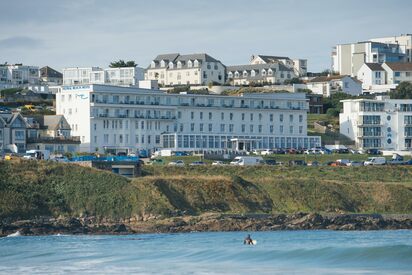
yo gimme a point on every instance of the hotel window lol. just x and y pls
(210, 127)
(271, 117)
(260, 117)
(281, 117)
(281, 129)
(243, 116)
(201, 115)
(231, 128)
(251, 128)
(179, 114)
(231, 116)
(181, 127)
(210, 115)
(106, 138)
(291, 118)
(300, 118)
(291, 129)
(222, 116)
(192, 115)
(260, 128)
(300, 129)
(222, 128)
(271, 128)
(192, 127)
(243, 128)
(251, 117)
(201, 127)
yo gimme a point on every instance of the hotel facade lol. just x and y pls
(378, 124)
(119, 119)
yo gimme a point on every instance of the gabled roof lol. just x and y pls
(327, 78)
(166, 57)
(197, 56)
(398, 66)
(374, 66)
(251, 67)
(52, 122)
(50, 72)
(175, 57)
(10, 118)
(272, 58)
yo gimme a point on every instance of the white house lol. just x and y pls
(122, 76)
(371, 74)
(398, 72)
(327, 85)
(380, 124)
(191, 69)
(272, 73)
(298, 66)
(18, 76)
(120, 119)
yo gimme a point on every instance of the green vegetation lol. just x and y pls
(121, 63)
(403, 91)
(30, 188)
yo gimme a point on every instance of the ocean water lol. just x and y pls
(280, 252)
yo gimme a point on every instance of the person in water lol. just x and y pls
(248, 240)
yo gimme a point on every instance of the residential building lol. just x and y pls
(315, 103)
(404, 41)
(12, 132)
(397, 72)
(120, 119)
(52, 133)
(299, 66)
(272, 73)
(50, 77)
(18, 76)
(328, 85)
(191, 69)
(380, 123)
(347, 59)
(122, 76)
(371, 74)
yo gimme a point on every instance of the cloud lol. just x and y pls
(22, 42)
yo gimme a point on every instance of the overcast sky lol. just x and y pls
(94, 32)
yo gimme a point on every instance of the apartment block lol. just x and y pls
(18, 76)
(381, 123)
(191, 69)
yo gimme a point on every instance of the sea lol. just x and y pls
(276, 252)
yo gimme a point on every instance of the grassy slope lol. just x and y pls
(29, 188)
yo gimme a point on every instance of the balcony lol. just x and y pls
(59, 139)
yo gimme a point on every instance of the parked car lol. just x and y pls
(181, 154)
(177, 163)
(196, 163)
(355, 163)
(218, 163)
(313, 163)
(270, 162)
(266, 152)
(279, 151)
(375, 161)
(373, 152)
(297, 163)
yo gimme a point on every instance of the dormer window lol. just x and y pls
(236, 74)
(230, 75)
(153, 64)
(171, 65)
(263, 72)
(189, 64)
(162, 63)
(196, 63)
(270, 72)
(179, 64)
(253, 73)
(244, 73)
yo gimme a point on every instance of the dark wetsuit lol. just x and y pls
(248, 240)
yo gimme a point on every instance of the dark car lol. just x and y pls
(270, 162)
(297, 163)
(181, 154)
(373, 152)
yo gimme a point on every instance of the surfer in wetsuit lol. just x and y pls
(248, 240)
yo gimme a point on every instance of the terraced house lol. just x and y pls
(191, 69)
(120, 119)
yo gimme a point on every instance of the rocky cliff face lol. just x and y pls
(207, 222)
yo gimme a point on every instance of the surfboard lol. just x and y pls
(254, 242)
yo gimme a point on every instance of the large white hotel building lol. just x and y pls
(379, 124)
(125, 119)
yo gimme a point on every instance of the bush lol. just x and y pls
(332, 112)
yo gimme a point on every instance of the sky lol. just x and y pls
(95, 32)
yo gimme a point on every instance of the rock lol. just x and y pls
(121, 228)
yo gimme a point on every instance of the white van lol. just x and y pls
(246, 161)
(37, 154)
(375, 161)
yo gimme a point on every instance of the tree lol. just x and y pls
(403, 91)
(332, 112)
(121, 63)
(307, 91)
(294, 80)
